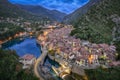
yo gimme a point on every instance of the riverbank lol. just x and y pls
(20, 35)
(78, 54)
(39, 62)
(40, 70)
(75, 69)
(30, 46)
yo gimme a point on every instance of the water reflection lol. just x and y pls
(24, 46)
(30, 46)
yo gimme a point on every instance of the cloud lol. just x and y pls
(66, 6)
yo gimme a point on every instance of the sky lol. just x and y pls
(66, 6)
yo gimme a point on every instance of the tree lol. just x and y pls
(11, 69)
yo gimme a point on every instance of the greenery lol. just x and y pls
(9, 30)
(86, 33)
(96, 25)
(8, 10)
(117, 43)
(77, 77)
(13, 11)
(11, 69)
(104, 74)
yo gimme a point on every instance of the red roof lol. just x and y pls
(103, 45)
(28, 57)
(115, 63)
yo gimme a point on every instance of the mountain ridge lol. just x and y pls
(9, 10)
(28, 11)
(101, 19)
(41, 11)
(101, 24)
(80, 11)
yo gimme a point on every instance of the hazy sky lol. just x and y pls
(66, 6)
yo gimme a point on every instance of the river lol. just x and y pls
(23, 46)
(28, 45)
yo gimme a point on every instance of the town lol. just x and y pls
(69, 50)
(59, 40)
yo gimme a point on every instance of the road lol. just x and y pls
(40, 61)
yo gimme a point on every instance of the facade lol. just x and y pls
(0, 46)
(72, 49)
(27, 60)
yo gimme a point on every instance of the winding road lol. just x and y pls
(40, 62)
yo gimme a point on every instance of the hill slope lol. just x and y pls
(79, 12)
(13, 20)
(41, 11)
(14, 70)
(100, 23)
(9, 10)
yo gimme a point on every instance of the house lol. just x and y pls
(0, 46)
(27, 60)
(115, 63)
(1, 42)
(72, 56)
(85, 43)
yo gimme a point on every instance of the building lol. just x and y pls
(0, 46)
(63, 70)
(27, 60)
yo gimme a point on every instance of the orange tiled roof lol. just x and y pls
(28, 57)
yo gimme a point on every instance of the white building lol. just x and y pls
(27, 60)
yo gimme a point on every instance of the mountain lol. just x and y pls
(14, 20)
(41, 11)
(99, 23)
(79, 12)
(12, 11)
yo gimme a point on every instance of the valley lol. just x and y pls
(37, 43)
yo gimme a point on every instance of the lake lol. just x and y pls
(29, 46)
(24, 46)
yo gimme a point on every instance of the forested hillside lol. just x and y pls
(9, 10)
(11, 69)
(101, 24)
(13, 20)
